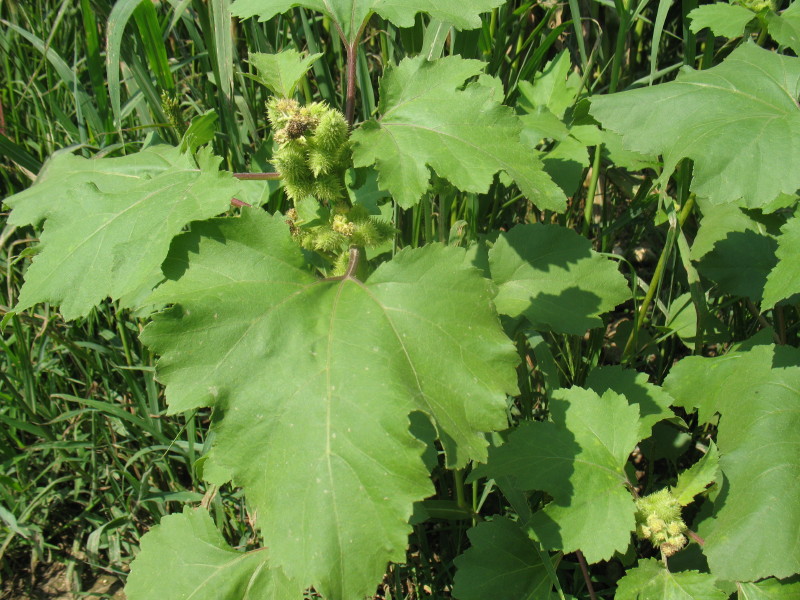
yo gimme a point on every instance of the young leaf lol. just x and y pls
(185, 556)
(350, 15)
(281, 72)
(757, 528)
(200, 132)
(314, 380)
(695, 479)
(503, 563)
(723, 19)
(784, 280)
(650, 579)
(579, 459)
(652, 400)
(739, 122)
(463, 135)
(109, 222)
(554, 89)
(551, 275)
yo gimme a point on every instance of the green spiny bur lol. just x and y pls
(312, 153)
(658, 519)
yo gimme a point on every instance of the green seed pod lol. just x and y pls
(331, 132)
(312, 148)
(291, 163)
(328, 188)
(298, 190)
(320, 162)
(328, 240)
(280, 110)
(341, 263)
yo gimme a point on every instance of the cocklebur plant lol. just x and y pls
(319, 381)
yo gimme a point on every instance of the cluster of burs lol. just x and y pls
(658, 519)
(312, 156)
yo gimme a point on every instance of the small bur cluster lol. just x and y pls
(312, 157)
(347, 227)
(312, 152)
(658, 519)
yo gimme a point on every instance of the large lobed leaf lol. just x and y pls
(313, 382)
(724, 20)
(579, 459)
(465, 135)
(350, 15)
(756, 532)
(108, 222)
(739, 122)
(552, 276)
(184, 556)
(653, 402)
(650, 579)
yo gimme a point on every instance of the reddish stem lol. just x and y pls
(586, 577)
(257, 176)
(350, 104)
(696, 537)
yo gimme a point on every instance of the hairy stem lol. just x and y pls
(350, 105)
(586, 577)
(257, 176)
(352, 265)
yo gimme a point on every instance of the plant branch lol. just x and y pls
(350, 102)
(352, 54)
(695, 537)
(586, 577)
(352, 265)
(257, 176)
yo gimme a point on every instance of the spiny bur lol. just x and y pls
(312, 153)
(658, 519)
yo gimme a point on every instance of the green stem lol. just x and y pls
(590, 192)
(619, 50)
(458, 483)
(657, 275)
